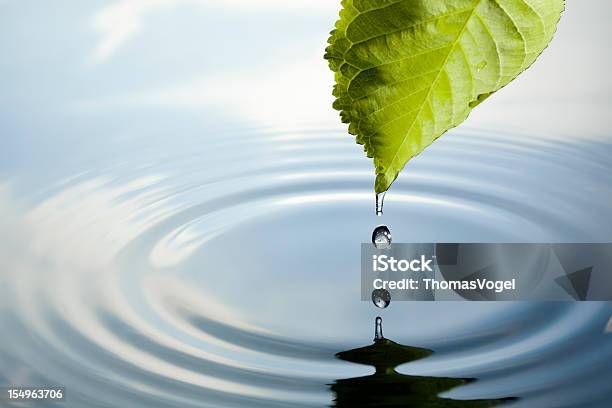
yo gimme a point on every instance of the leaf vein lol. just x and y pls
(392, 162)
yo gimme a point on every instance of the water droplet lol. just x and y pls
(378, 334)
(381, 237)
(381, 298)
(380, 201)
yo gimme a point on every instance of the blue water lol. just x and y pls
(225, 273)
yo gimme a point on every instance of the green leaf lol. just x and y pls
(408, 70)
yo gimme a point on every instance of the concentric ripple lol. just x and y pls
(226, 274)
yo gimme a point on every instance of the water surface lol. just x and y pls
(225, 273)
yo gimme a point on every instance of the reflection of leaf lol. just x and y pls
(409, 70)
(388, 388)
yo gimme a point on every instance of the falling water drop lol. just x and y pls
(381, 237)
(381, 298)
(380, 201)
(378, 334)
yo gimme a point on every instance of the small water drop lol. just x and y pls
(481, 65)
(381, 298)
(378, 334)
(380, 201)
(381, 237)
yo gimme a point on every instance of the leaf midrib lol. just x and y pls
(408, 27)
(442, 68)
